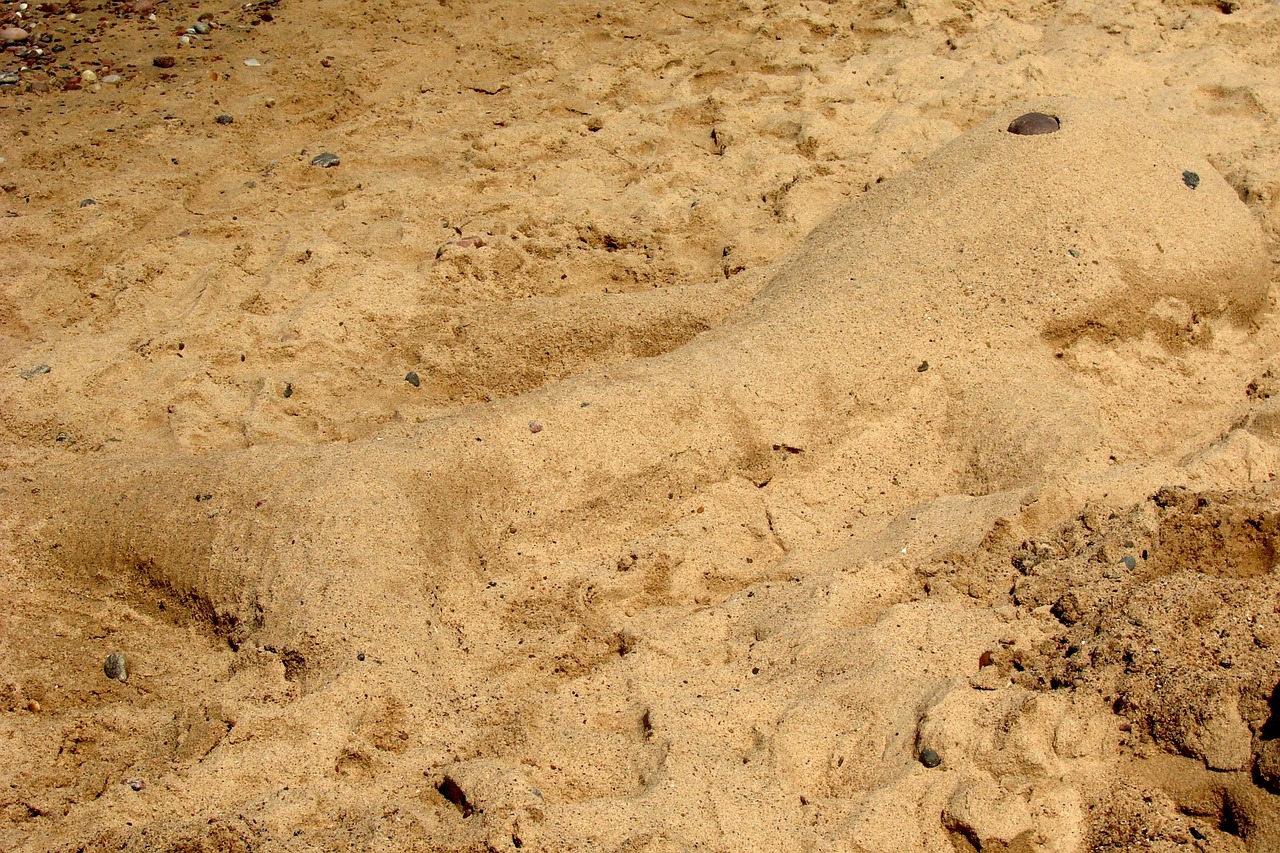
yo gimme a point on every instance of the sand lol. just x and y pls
(795, 458)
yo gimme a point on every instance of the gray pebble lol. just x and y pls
(929, 757)
(1191, 179)
(326, 160)
(38, 370)
(412, 379)
(202, 27)
(88, 202)
(116, 667)
(1034, 124)
(1129, 562)
(224, 119)
(8, 78)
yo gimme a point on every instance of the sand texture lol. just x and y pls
(670, 426)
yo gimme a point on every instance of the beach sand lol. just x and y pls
(668, 427)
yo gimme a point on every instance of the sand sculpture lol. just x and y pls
(942, 309)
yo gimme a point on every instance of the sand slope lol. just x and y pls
(696, 531)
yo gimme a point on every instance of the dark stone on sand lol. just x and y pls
(412, 379)
(202, 27)
(288, 390)
(923, 366)
(1031, 124)
(88, 202)
(929, 757)
(163, 62)
(224, 119)
(116, 667)
(38, 370)
(1129, 562)
(1191, 179)
(326, 160)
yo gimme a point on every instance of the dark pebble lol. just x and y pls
(326, 160)
(1031, 124)
(88, 202)
(1196, 834)
(116, 667)
(930, 758)
(202, 27)
(288, 390)
(224, 119)
(360, 656)
(412, 379)
(1191, 179)
(1075, 253)
(163, 62)
(38, 370)
(1129, 562)
(924, 365)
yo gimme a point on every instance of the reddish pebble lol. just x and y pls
(8, 35)
(984, 660)
(534, 426)
(163, 61)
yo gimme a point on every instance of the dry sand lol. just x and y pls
(797, 459)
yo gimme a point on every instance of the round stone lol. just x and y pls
(929, 757)
(327, 160)
(1031, 124)
(116, 667)
(1191, 179)
(412, 379)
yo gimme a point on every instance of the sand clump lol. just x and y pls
(900, 482)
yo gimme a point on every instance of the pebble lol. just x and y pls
(202, 27)
(412, 379)
(9, 35)
(112, 78)
(325, 160)
(33, 706)
(923, 366)
(137, 783)
(88, 76)
(224, 119)
(1191, 179)
(38, 370)
(535, 427)
(88, 202)
(1129, 562)
(163, 62)
(252, 63)
(116, 667)
(929, 757)
(1032, 124)
(8, 78)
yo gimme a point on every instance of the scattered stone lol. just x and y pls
(33, 706)
(116, 667)
(8, 78)
(360, 656)
(930, 758)
(203, 27)
(224, 119)
(252, 63)
(1075, 253)
(288, 390)
(88, 202)
(38, 370)
(412, 379)
(326, 160)
(1033, 124)
(88, 76)
(1191, 179)
(535, 427)
(112, 78)
(10, 35)
(137, 783)
(924, 365)
(1129, 562)
(163, 61)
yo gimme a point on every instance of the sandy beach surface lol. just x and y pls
(639, 427)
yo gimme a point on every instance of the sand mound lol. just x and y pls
(952, 529)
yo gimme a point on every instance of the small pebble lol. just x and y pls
(1191, 179)
(8, 78)
(112, 78)
(33, 706)
(89, 76)
(88, 202)
(202, 27)
(1129, 562)
(9, 35)
(38, 370)
(184, 40)
(930, 758)
(252, 63)
(163, 62)
(534, 426)
(288, 390)
(360, 657)
(326, 160)
(224, 119)
(412, 379)
(137, 783)
(1032, 124)
(116, 667)
(924, 365)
